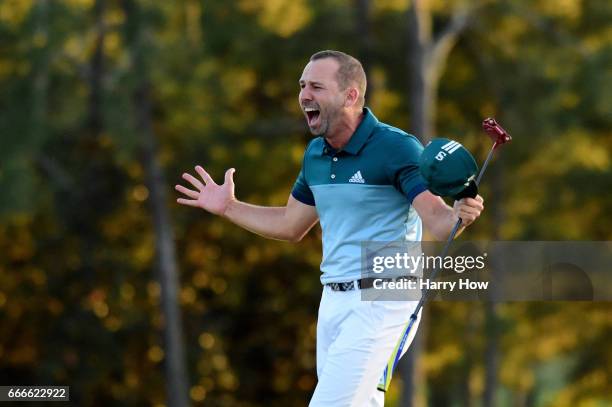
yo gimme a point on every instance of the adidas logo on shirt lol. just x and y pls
(357, 178)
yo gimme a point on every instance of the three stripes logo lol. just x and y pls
(448, 148)
(357, 178)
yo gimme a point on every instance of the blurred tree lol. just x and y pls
(167, 268)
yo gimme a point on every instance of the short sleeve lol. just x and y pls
(301, 191)
(402, 166)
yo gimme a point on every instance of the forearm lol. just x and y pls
(269, 222)
(445, 222)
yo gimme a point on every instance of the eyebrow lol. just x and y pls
(301, 81)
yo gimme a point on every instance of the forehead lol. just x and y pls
(321, 70)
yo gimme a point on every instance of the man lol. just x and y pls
(360, 179)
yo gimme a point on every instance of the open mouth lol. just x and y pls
(312, 115)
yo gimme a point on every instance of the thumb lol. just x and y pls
(229, 176)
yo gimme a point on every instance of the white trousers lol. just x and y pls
(355, 340)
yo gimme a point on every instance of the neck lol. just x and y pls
(344, 129)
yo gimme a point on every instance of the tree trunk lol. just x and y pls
(167, 270)
(40, 82)
(363, 32)
(409, 368)
(427, 58)
(176, 374)
(420, 91)
(492, 319)
(96, 71)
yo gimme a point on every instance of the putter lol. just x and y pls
(499, 137)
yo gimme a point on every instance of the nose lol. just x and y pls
(305, 95)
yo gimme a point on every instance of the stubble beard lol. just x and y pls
(325, 121)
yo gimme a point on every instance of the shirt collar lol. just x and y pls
(359, 137)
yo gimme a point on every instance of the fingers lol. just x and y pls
(477, 203)
(190, 193)
(207, 179)
(469, 209)
(229, 176)
(188, 202)
(468, 216)
(193, 181)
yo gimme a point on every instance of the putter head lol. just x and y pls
(495, 131)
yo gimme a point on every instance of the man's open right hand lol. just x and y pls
(208, 195)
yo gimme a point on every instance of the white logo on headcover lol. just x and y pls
(357, 178)
(449, 147)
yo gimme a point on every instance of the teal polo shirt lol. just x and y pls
(362, 192)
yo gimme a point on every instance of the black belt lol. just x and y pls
(365, 283)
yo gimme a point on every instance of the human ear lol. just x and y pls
(352, 95)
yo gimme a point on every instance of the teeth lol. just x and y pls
(310, 109)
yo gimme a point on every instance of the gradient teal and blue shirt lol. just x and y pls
(362, 192)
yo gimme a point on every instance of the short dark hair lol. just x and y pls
(350, 71)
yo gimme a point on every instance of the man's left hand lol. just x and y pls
(468, 209)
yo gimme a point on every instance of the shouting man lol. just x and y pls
(360, 179)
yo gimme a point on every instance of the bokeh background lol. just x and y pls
(108, 286)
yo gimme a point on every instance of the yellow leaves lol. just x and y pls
(252, 148)
(39, 40)
(569, 100)
(143, 254)
(218, 285)
(227, 380)
(112, 44)
(206, 340)
(140, 193)
(112, 323)
(575, 149)
(219, 362)
(397, 6)
(383, 100)
(200, 279)
(82, 4)
(155, 354)
(24, 354)
(21, 246)
(218, 153)
(74, 50)
(282, 17)
(435, 362)
(549, 346)
(188, 295)
(569, 9)
(595, 42)
(97, 303)
(197, 393)
(193, 16)
(508, 31)
(236, 82)
(126, 291)
(153, 289)
(252, 255)
(306, 382)
(131, 379)
(568, 396)
(14, 12)
(297, 153)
